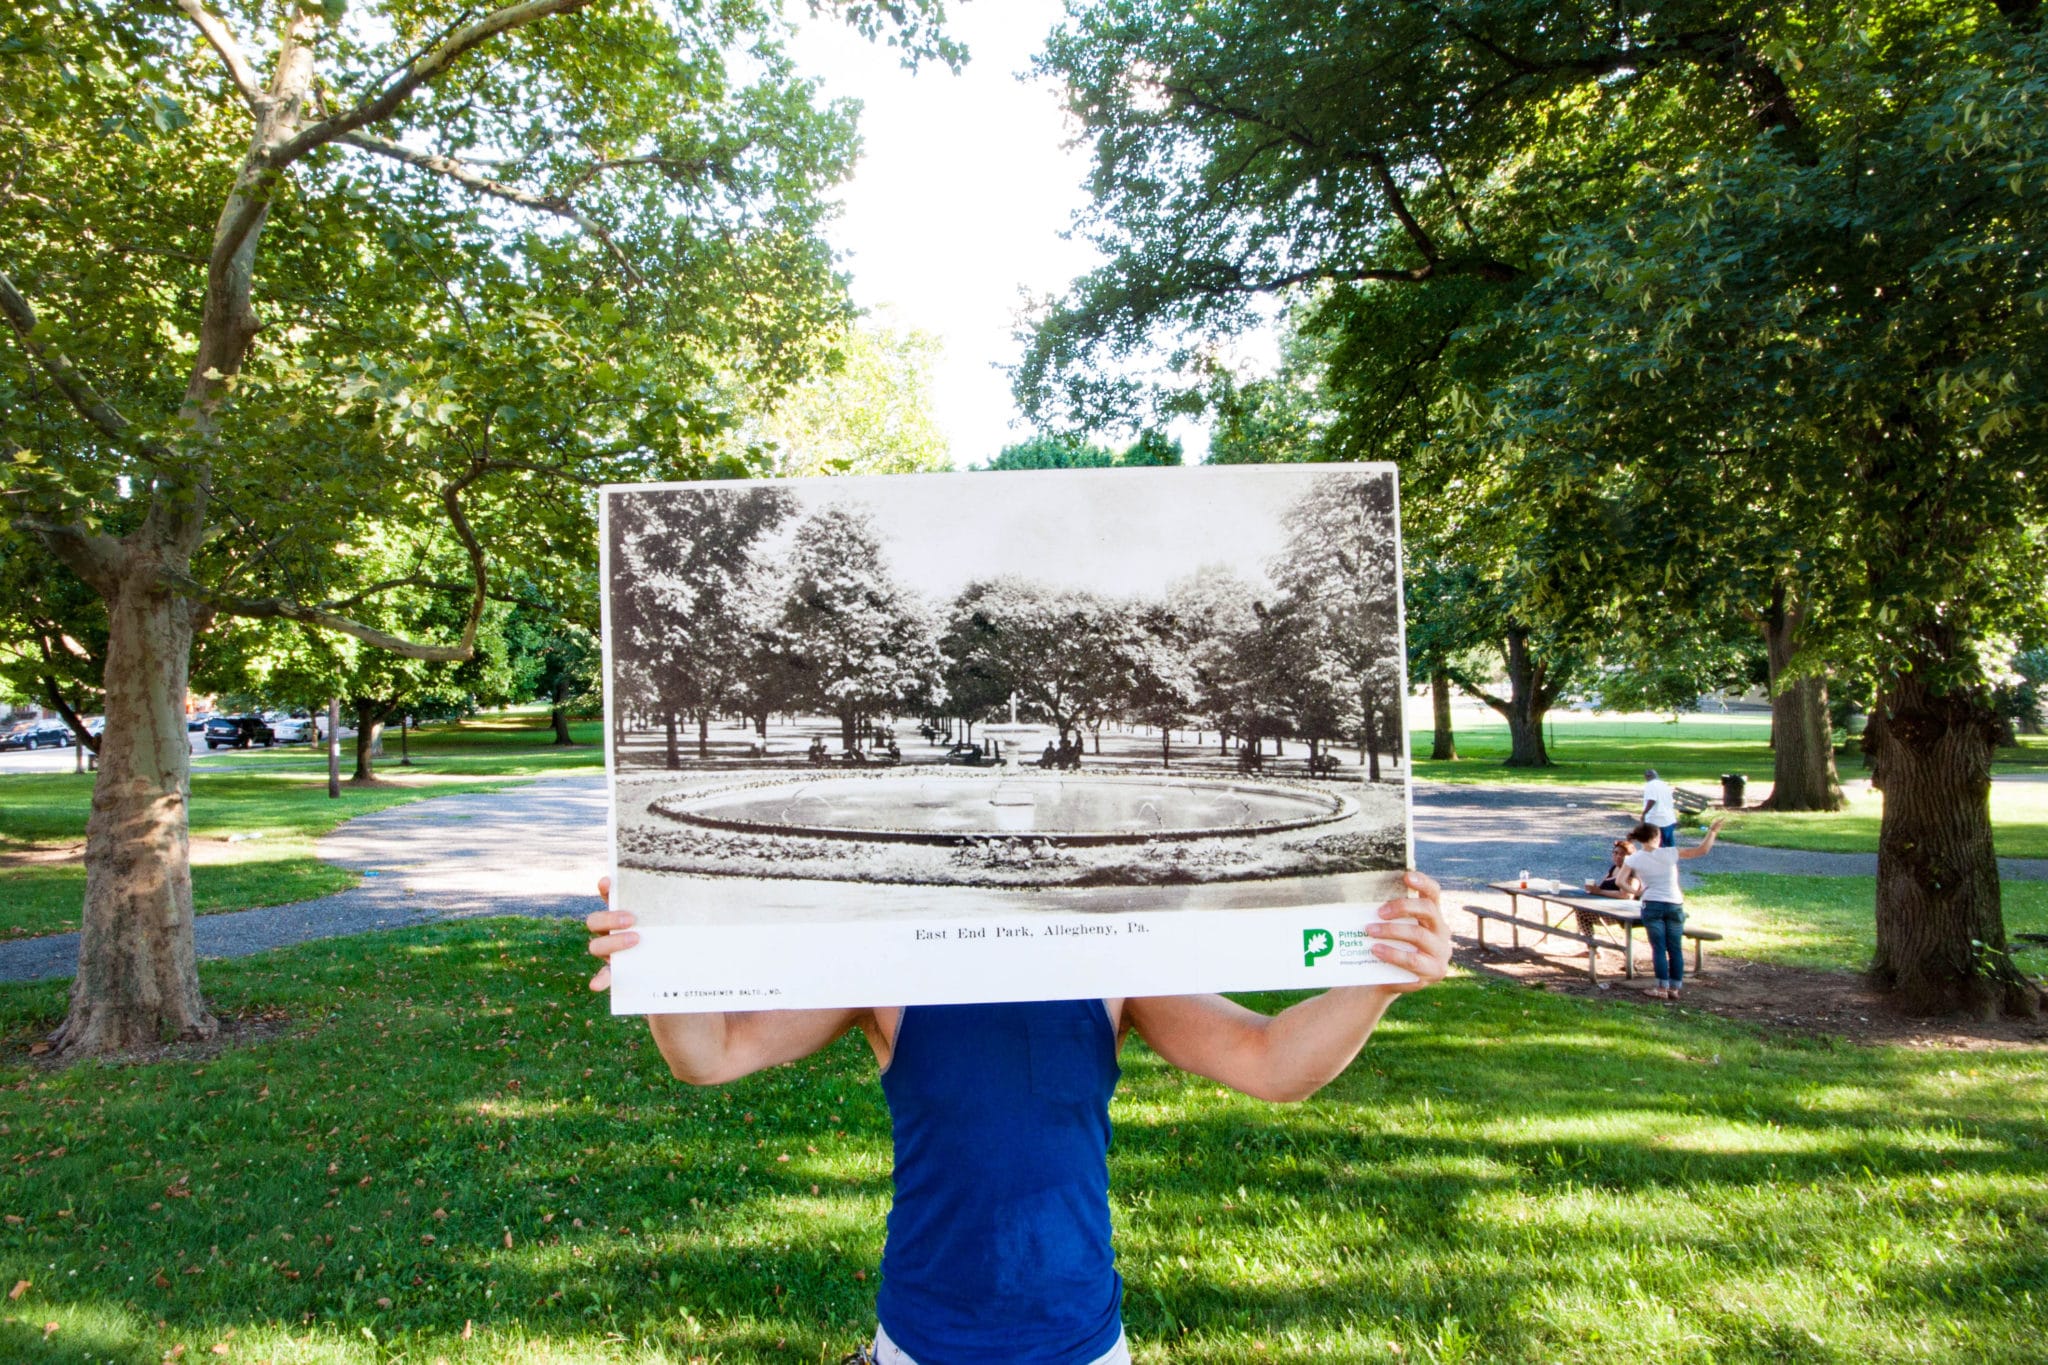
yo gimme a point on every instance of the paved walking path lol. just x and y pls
(537, 849)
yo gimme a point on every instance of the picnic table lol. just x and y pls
(1576, 915)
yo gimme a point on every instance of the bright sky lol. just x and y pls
(1124, 532)
(957, 207)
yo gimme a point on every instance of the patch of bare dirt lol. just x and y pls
(41, 855)
(1793, 1000)
(236, 1031)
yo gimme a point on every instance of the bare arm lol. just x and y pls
(711, 1049)
(1293, 1054)
(1704, 846)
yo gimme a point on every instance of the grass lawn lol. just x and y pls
(1827, 922)
(451, 1153)
(2019, 824)
(514, 743)
(1603, 749)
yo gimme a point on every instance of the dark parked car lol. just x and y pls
(238, 732)
(39, 737)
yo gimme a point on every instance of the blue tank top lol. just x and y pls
(998, 1243)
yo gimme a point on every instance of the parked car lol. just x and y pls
(198, 722)
(289, 729)
(39, 735)
(238, 732)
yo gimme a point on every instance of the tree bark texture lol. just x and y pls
(1803, 774)
(559, 717)
(1443, 744)
(138, 981)
(1941, 946)
(1530, 694)
(1372, 737)
(370, 717)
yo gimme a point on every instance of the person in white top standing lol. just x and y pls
(1663, 901)
(1660, 806)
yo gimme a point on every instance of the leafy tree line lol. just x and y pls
(1681, 319)
(726, 603)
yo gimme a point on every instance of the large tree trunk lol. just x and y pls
(1371, 744)
(1803, 775)
(675, 756)
(559, 716)
(1527, 702)
(703, 734)
(370, 718)
(138, 982)
(1443, 745)
(1941, 946)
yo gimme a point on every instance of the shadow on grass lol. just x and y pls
(1500, 1176)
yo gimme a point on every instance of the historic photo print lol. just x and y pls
(1003, 736)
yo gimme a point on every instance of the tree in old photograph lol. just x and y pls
(858, 644)
(680, 607)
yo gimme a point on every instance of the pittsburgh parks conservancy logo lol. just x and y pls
(1351, 947)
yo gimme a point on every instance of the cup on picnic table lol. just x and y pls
(1524, 874)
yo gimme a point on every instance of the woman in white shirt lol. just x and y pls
(1664, 902)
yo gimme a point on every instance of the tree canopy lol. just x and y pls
(1689, 313)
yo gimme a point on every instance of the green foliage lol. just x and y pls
(869, 412)
(1068, 451)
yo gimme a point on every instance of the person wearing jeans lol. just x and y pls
(1664, 901)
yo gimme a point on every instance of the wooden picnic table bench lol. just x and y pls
(1690, 802)
(1587, 912)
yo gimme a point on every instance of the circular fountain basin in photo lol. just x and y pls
(946, 808)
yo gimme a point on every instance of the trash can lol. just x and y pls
(1731, 789)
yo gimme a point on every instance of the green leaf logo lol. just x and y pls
(1315, 943)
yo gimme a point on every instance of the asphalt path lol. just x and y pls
(538, 848)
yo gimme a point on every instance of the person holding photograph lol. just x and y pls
(998, 1245)
(1664, 902)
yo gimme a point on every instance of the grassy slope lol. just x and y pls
(1827, 922)
(453, 1133)
(279, 795)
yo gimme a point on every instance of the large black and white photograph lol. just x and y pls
(944, 722)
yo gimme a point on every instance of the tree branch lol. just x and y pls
(279, 609)
(283, 609)
(223, 41)
(73, 385)
(64, 709)
(416, 73)
(90, 555)
(469, 177)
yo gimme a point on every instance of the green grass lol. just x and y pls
(285, 811)
(450, 1132)
(2019, 824)
(1827, 922)
(1588, 750)
(514, 743)
(1599, 749)
(46, 900)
